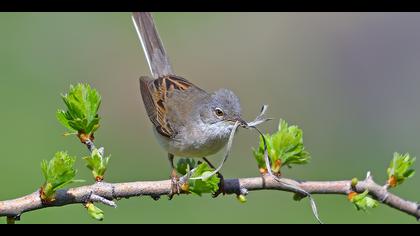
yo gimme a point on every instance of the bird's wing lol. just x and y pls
(155, 93)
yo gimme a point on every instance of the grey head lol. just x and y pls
(221, 107)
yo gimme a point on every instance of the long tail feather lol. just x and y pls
(154, 51)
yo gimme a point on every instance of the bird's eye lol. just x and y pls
(218, 112)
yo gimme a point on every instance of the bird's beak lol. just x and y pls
(242, 123)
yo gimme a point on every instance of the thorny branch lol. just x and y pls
(106, 192)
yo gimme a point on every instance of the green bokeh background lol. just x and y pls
(349, 80)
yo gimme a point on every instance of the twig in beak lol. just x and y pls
(259, 120)
(239, 122)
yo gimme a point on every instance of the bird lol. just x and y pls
(187, 120)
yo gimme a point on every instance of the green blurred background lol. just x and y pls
(349, 80)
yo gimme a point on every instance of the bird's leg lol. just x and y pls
(174, 177)
(221, 183)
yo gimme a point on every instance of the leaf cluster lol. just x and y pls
(400, 169)
(97, 164)
(362, 201)
(82, 104)
(198, 186)
(285, 148)
(57, 172)
(95, 212)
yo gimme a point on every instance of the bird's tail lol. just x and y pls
(157, 59)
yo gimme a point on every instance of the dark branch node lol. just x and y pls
(155, 197)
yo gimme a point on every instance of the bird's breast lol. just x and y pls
(197, 140)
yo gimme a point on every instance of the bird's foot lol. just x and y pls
(175, 189)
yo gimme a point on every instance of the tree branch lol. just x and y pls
(106, 192)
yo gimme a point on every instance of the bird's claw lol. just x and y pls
(175, 189)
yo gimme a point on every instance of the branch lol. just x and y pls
(106, 192)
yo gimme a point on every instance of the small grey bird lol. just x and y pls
(188, 121)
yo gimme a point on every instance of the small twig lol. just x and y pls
(97, 198)
(90, 145)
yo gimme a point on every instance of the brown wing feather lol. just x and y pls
(155, 93)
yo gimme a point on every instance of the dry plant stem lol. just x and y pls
(293, 187)
(110, 191)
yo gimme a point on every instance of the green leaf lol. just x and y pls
(285, 148)
(363, 202)
(210, 185)
(82, 104)
(97, 164)
(57, 172)
(184, 165)
(259, 153)
(198, 186)
(62, 118)
(400, 169)
(94, 211)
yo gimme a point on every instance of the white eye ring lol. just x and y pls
(219, 112)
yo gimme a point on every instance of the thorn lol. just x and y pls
(368, 176)
(385, 197)
(68, 134)
(97, 198)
